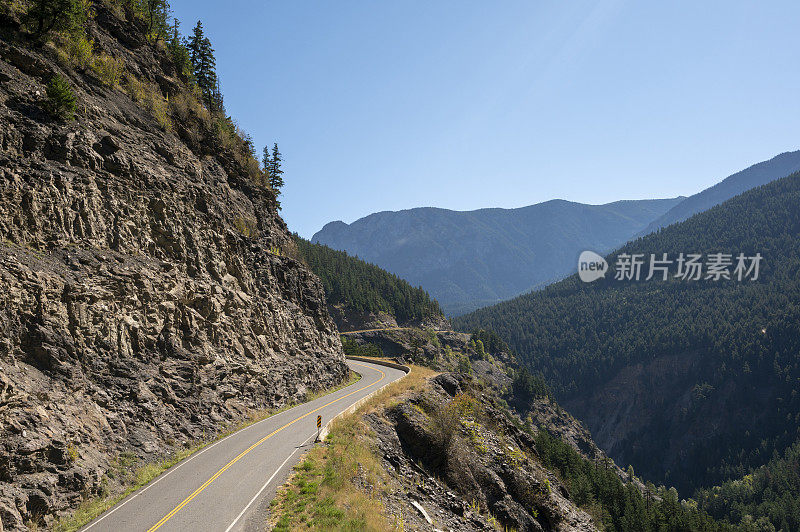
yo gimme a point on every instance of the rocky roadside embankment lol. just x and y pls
(463, 465)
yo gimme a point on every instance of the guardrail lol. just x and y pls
(380, 362)
(352, 408)
(378, 330)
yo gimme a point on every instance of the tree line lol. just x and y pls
(364, 287)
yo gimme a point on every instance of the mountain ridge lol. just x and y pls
(761, 173)
(466, 258)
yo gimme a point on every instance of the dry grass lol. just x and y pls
(338, 486)
(186, 105)
(135, 89)
(323, 496)
(132, 477)
(150, 95)
(232, 139)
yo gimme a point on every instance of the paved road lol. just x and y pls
(374, 330)
(227, 486)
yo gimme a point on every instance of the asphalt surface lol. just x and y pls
(228, 485)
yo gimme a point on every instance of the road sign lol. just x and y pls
(319, 422)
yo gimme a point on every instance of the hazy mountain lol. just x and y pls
(759, 174)
(468, 259)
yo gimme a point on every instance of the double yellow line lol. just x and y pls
(227, 466)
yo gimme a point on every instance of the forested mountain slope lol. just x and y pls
(759, 174)
(769, 495)
(467, 259)
(692, 382)
(143, 305)
(536, 432)
(354, 288)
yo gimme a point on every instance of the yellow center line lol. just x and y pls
(199, 490)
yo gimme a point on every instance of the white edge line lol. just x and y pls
(181, 464)
(151, 484)
(347, 410)
(257, 495)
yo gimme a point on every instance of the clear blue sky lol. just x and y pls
(468, 104)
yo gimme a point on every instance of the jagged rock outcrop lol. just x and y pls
(461, 460)
(142, 305)
(446, 350)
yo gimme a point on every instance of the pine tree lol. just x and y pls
(194, 44)
(45, 16)
(275, 172)
(204, 64)
(157, 12)
(206, 74)
(216, 102)
(202, 69)
(179, 52)
(60, 98)
(266, 161)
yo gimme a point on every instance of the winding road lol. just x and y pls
(228, 485)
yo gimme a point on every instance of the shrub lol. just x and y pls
(246, 226)
(150, 95)
(13, 8)
(446, 420)
(353, 348)
(444, 427)
(72, 453)
(60, 98)
(464, 365)
(108, 69)
(158, 107)
(77, 52)
(135, 89)
(527, 386)
(237, 142)
(184, 105)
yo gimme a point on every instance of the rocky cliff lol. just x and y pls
(462, 460)
(147, 299)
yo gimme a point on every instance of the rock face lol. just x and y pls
(459, 471)
(143, 306)
(444, 349)
(351, 320)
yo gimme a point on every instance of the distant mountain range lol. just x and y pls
(469, 259)
(759, 174)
